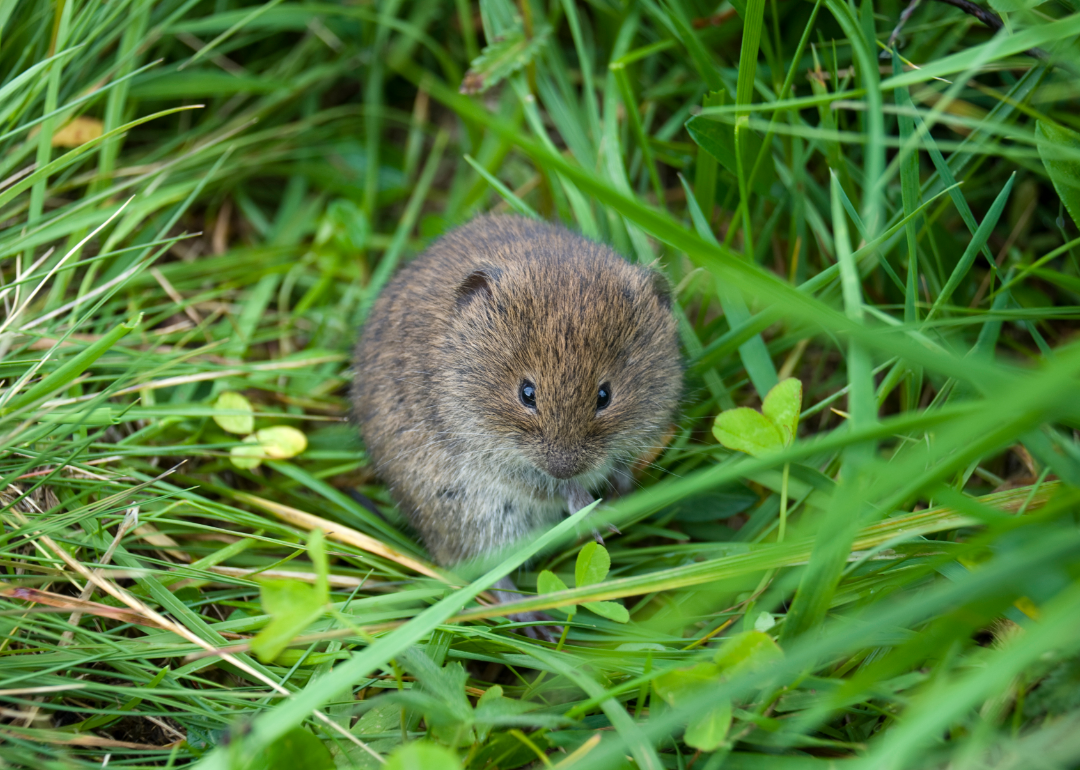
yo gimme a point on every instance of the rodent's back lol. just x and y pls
(492, 308)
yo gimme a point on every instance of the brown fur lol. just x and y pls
(446, 348)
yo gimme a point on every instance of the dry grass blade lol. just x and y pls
(341, 533)
(66, 739)
(80, 606)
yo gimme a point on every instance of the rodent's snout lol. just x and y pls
(565, 463)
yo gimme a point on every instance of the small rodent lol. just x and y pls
(506, 371)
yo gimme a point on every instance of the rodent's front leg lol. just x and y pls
(509, 594)
(577, 497)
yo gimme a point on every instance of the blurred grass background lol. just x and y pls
(202, 198)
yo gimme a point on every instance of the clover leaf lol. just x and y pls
(759, 433)
(593, 565)
(240, 417)
(293, 605)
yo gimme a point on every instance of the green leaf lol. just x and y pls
(491, 694)
(503, 58)
(505, 749)
(422, 755)
(343, 227)
(248, 455)
(592, 565)
(441, 695)
(292, 607)
(317, 554)
(747, 430)
(764, 622)
(682, 684)
(718, 139)
(241, 424)
(715, 504)
(753, 351)
(748, 650)
(673, 16)
(65, 160)
(384, 718)
(493, 709)
(610, 610)
(281, 442)
(709, 731)
(1059, 148)
(748, 55)
(782, 405)
(548, 582)
(297, 749)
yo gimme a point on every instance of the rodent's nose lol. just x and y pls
(565, 464)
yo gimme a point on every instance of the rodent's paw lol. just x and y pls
(612, 530)
(577, 497)
(504, 593)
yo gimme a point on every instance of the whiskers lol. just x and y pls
(440, 439)
(475, 475)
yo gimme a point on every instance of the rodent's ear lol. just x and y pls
(477, 285)
(661, 287)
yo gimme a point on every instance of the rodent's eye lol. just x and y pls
(603, 396)
(527, 394)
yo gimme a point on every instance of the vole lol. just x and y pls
(507, 371)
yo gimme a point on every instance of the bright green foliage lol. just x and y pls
(592, 566)
(759, 433)
(782, 405)
(748, 430)
(746, 651)
(718, 139)
(281, 442)
(1059, 148)
(1008, 6)
(277, 443)
(894, 237)
(242, 423)
(63, 375)
(292, 605)
(452, 720)
(248, 455)
(298, 749)
(421, 755)
(502, 59)
(687, 687)
(343, 231)
(548, 582)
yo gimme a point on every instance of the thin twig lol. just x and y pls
(987, 18)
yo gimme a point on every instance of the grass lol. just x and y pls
(896, 588)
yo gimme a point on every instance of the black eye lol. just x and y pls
(528, 394)
(603, 396)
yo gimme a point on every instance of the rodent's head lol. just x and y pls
(562, 363)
